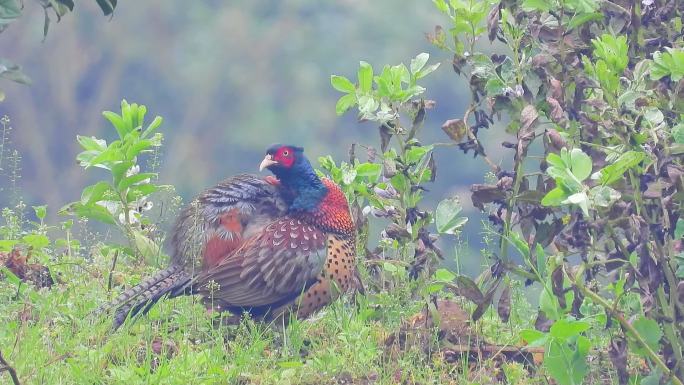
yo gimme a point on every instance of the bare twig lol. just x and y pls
(111, 271)
(472, 137)
(4, 366)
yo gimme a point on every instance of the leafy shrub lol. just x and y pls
(592, 93)
(122, 200)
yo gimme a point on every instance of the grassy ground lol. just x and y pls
(49, 338)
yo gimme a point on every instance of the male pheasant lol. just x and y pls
(266, 246)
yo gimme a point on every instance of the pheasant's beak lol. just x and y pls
(267, 162)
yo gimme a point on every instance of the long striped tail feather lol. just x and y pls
(170, 282)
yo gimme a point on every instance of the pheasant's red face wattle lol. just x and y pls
(284, 156)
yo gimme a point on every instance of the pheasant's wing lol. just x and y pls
(218, 221)
(272, 268)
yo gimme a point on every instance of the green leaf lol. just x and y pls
(444, 275)
(651, 333)
(447, 217)
(536, 5)
(678, 133)
(426, 71)
(580, 164)
(548, 303)
(668, 63)
(92, 211)
(441, 6)
(342, 84)
(94, 193)
(7, 245)
(533, 337)
(581, 199)
(582, 6)
(555, 160)
(584, 18)
(416, 153)
(41, 211)
(654, 378)
(372, 171)
(679, 229)
(344, 103)
(565, 329)
(495, 86)
(136, 148)
(419, 62)
(119, 170)
(613, 51)
(121, 126)
(555, 197)
(434, 288)
(36, 241)
(9, 11)
(566, 360)
(367, 104)
(626, 161)
(348, 175)
(152, 127)
(91, 143)
(365, 75)
(520, 244)
(147, 248)
(400, 183)
(133, 179)
(137, 191)
(389, 267)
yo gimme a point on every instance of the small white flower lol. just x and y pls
(145, 206)
(111, 206)
(133, 217)
(366, 210)
(133, 170)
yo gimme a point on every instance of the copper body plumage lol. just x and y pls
(269, 246)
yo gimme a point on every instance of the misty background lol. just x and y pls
(229, 79)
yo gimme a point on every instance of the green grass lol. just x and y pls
(49, 338)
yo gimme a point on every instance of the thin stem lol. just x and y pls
(111, 271)
(511, 206)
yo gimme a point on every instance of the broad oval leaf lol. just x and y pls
(94, 193)
(344, 103)
(580, 164)
(419, 62)
(444, 275)
(447, 217)
(342, 84)
(365, 75)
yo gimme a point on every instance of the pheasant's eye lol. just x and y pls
(286, 153)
